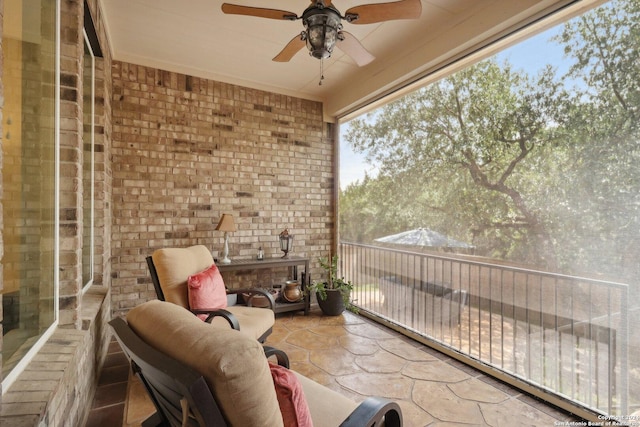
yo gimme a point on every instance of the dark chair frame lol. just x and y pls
(211, 314)
(181, 394)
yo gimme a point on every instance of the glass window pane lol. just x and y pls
(88, 165)
(28, 176)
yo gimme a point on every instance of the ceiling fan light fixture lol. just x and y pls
(322, 27)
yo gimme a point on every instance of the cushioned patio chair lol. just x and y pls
(196, 378)
(170, 270)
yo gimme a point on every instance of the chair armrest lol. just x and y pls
(255, 291)
(281, 356)
(211, 314)
(371, 412)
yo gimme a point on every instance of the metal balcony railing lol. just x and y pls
(564, 336)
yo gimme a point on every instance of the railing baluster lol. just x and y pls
(478, 321)
(611, 371)
(561, 382)
(556, 334)
(623, 338)
(470, 328)
(502, 319)
(543, 371)
(590, 349)
(573, 337)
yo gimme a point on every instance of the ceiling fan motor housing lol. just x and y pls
(322, 28)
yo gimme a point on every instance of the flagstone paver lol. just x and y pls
(313, 372)
(381, 362)
(434, 371)
(330, 330)
(294, 353)
(335, 361)
(405, 350)
(311, 341)
(358, 358)
(441, 403)
(359, 345)
(474, 389)
(514, 412)
(413, 414)
(392, 386)
(365, 330)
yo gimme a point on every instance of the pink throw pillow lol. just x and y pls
(206, 291)
(293, 405)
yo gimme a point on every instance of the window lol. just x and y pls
(499, 215)
(88, 161)
(28, 179)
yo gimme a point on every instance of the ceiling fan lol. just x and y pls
(323, 26)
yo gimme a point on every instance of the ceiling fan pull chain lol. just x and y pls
(321, 71)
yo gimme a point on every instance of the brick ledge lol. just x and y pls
(53, 389)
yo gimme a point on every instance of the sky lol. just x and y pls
(532, 55)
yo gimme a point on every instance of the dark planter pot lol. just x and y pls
(333, 305)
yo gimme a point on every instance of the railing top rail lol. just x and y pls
(464, 260)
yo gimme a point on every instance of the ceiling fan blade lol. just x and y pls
(290, 49)
(352, 47)
(235, 9)
(380, 12)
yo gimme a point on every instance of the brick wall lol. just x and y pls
(186, 150)
(102, 154)
(71, 201)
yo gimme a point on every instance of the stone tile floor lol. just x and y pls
(359, 358)
(109, 401)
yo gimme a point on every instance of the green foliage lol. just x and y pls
(473, 129)
(539, 169)
(330, 266)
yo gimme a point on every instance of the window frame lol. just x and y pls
(17, 370)
(91, 238)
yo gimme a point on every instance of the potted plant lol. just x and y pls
(334, 294)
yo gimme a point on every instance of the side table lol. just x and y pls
(267, 263)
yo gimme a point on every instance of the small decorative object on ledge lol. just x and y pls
(258, 300)
(292, 291)
(260, 256)
(286, 242)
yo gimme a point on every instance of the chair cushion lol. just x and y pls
(232, 364)
(293, 405)
(328, 408)
(206, 290)
(254, 322)
(175, 265)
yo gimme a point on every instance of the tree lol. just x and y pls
(479, 125)
(601, 177)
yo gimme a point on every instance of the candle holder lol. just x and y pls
(286, 242)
